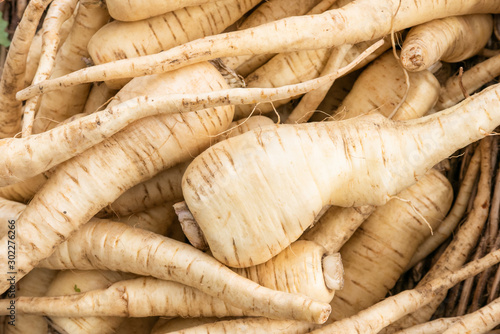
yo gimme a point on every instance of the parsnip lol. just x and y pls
(137, 10)
(450, 39)
(379, 251)
(70, 282)
(34, 284)
(269, 11)
(378, 316)
(59, 12)
(46, 225)
(146, 253)
(162, 32)
(57, 106)
(472, 80)
(333, 28)
(220, 195)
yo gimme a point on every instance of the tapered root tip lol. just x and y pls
(413, 59)
(324, 314)
(190, 227)
(333, 271)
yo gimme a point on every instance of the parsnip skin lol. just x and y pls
(162, 32)
(380, 249)
(381, 88)
(139, 152)
(451, 39)
(57, 106)
(136, 10)
(362, 20)
(102, 245)
(248, 215)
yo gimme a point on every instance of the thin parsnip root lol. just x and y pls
(162, 32)
(266, 12)
(382, 88)
(68, 283)
(481, 321)
(333, 28)
(451, 39)
(376, 255)
(12, 79)
(380, 315)
(437, 326)
(143, 106)
(454, 216)
(168, 259)
(59, 12)
(457, 252)
(248, 325)
(472, 80)
(35, 283)
(53, 215)
(167, 298)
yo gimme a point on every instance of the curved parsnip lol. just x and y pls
(82, 186)
(115, 246)
(332, 28)
(70, 282)
(162, 32)
(298, 270)
(269, 11)
(472, 80)
(379, 251)
(451, 39)
(249, 214)
(57, 106)
(35, 283)
(382, 87)
(134, 10)
(13, 69)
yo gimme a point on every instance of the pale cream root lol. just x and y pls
(165, 31)
(57, 106)
(450, 39)
(215, 199)
(337, 225)
(309, 102)
(135, 10)
(249, 325)
(381, 87)
(94, 241)
(472, 80)
(271, 11)
(454, 216)
(437, 326)
(72, 282)
(12, 79)
(458, 250)
(59, 12)
(163, 187)
(157, 219)
(139, 152)
(36, 49)
(35, 283)
(189, 226)
(332, 28)
(99, 95)
(378, 316)
(481, 321)
(375, 256)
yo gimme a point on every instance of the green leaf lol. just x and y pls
(4, 36)
(76, 289)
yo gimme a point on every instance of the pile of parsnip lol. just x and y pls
(248, 166)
